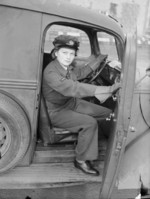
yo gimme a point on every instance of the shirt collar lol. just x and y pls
(60, 69)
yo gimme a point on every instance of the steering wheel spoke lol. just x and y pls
(98, 70)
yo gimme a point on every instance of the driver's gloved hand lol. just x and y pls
(115, 87)
(94, 64)
(102, 93)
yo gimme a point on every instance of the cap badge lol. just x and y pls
(71, 43)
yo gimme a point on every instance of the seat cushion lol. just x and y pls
(49, 134)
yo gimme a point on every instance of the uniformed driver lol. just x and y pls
(63, 94)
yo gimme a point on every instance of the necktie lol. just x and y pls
(68, 73)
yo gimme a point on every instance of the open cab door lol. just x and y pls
(121, 119)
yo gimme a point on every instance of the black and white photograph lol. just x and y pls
(74, 99)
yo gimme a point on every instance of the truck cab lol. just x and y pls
(36, 157)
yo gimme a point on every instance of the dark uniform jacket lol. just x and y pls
(60, 90)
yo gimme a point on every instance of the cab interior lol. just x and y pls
(55, 145)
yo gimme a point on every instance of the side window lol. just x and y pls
(55, 30)
(107, 45)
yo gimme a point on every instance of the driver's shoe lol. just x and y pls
(86, 167)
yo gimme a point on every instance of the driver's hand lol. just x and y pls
(102, 93)
(94, 64)
(115, 64)
(115, 87)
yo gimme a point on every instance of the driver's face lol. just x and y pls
(65, 56)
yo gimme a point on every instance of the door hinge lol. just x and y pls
(119, 142)
(118, 147)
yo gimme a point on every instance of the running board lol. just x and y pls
(60, 153)
(52, 175)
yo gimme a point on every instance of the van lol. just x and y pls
(36, 158)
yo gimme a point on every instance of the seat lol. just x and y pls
(49, 134)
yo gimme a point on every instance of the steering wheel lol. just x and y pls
(97, 72)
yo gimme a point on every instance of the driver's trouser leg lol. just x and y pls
(87, 147)
(87, 129)
(96, 112)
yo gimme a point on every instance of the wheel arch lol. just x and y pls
(15, 131)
